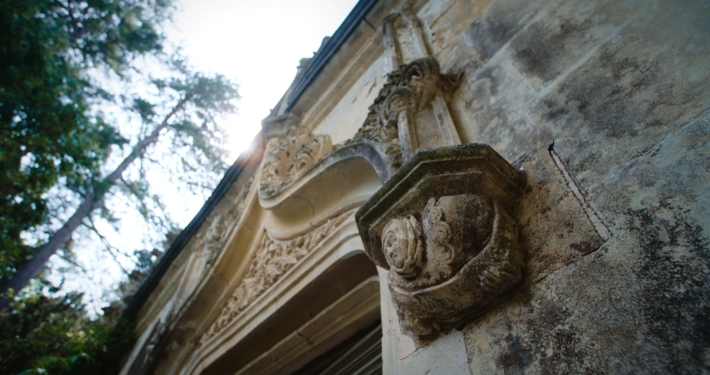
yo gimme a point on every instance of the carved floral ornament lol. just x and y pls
(440, 225)
(288, 158)
(272, 259)
(407, 91)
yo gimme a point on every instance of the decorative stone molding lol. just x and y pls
(272, 259)
(440, 225)
(209, 245)
(409, 91)
(403, 40)
(412, 94)
(214, 238)
(288, 158)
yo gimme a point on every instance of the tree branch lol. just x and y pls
(106, 243)
(41, 257)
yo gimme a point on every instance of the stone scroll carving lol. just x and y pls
(409, 91)
(288, 158)
(413, 93)
(272, 259)
(467, 236)
(441, 227)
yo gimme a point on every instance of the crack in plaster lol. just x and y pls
(597, 222)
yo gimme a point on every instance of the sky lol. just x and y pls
(257, 43)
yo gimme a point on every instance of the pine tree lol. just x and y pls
(62, 142)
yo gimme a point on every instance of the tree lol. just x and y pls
(193, 97)
(48, 130)
(45, 333)
(84, 128)
(61, 62)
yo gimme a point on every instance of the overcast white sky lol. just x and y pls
(258, 43)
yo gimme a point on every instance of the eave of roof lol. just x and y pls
(329, 49)
(157, 273)
(320, 60)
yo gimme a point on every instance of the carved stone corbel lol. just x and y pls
(440, 225)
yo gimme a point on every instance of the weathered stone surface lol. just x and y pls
(639, 305)
(445, 356)
(554, 230)
(489, 102)
(440, 226)
(635, 305)
(618, 88)
(403, 38)
(613, 233)
(347, 116)
(500, 23)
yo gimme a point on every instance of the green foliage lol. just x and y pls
(47, 130)
(48, 333)
(56, 57)
(43, 334)
(196, 128)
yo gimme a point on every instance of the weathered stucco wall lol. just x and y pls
(343, 121)
(620, 90)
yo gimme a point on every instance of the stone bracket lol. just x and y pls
(440, 225)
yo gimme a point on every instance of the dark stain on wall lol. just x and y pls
(540, 47)
(500, 23)
(675, 284)
(516, 358)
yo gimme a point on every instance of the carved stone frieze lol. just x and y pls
(214, 238)
(440, 226)
(288, 158)
(272, 259)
